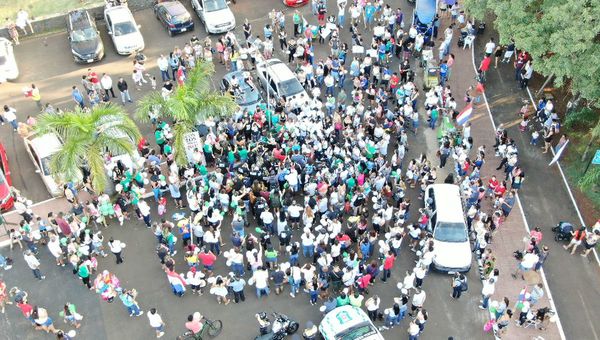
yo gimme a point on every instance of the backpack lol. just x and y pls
(464, 286)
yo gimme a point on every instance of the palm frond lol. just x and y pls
(95, 163)
(199, 78)
(147, 104)
(214, 104)
(67, 162)
(179, 132)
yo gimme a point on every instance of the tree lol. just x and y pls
(562, 36)
(189, 105)
(87, 137)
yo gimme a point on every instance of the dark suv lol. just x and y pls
(86, 44)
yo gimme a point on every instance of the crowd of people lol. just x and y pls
(318, 192)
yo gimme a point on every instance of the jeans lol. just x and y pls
(165, 75)
(294, 286)
(215, 248)
(329, 90)
(308, 251)
(294, 259)
(239, 296)
(486, 300)
(133, 309)
(147, 220)
(238, 268)
(456, 291)
(262, 291)
(125, 96)
(386, 275)
(37, 273)
(341, 20)
(14, 124)
(432, 123)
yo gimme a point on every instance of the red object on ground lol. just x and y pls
(295, 3)
(6, 200)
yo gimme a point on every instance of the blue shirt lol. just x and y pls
(443, 70)
(77, 96)
(238, 285)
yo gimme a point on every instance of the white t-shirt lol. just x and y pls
(155, 320)
(489, 47)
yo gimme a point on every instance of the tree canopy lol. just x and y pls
(88, 137)
(562, 36)
(188, 105)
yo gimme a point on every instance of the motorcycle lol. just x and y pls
(282, 327)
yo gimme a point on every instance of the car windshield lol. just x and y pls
(46, 166)
(290, 87)
(357, 332)
(124, 28)
(214, 5)
(450, 232)
(86, 34)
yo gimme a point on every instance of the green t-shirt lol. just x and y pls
(160, 137)
(243, 153)
(84, 271)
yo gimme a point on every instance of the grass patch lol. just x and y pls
(39, 9)
(574, 167)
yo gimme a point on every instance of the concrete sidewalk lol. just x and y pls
(510, 235)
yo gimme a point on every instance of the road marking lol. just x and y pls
(589, 316)
(543, 274)
(566, 184)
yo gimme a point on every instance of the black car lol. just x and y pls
(86, 44)
(174, 16)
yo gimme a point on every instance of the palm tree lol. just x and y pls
(190, 104)
(87, 137)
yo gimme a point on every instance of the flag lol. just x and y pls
(559, 153)
(464, 115)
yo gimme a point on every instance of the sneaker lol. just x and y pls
(293, 295)
(481, 307)
(42, 278)
(160, 334)
(140, 313)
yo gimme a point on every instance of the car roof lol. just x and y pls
(448, 202)
(173, 7)
(79, 19)
(278, 70)
(344, 317)
(119, 14)
(45, 145)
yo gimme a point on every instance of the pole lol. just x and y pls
(588, 165)
(3, 221)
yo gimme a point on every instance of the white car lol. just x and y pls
(41, 149)
(277, 78)
(348, 323)
(123, 30)
(451, 247)
(8, 64)
(215, 14)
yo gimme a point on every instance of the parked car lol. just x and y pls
(450, 234)
(215, 14)
(348, 322)
(41, 149)
(124, 31)
(245, 93)
(295, 3)
(174, 16)
(6, 199)
(84, 38)
(8, 64)
(277, 78)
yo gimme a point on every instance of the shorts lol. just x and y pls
(588, 246)
(295, 219)
(48, 322)
(159, 328)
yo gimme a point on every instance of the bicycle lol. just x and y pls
(210, 327)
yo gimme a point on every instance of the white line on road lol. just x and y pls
(543, 275)
(566, 183)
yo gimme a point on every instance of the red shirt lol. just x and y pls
(93, 77)
(26, 309)
(364, 281)
(389, 262)
(485, 64)
(208, 259)
(394, 81)
(493, 183)
(278, 154)
(500, 190)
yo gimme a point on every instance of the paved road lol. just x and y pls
(574, 281)
(141, 269)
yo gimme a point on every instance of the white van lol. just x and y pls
(348, 323)
(277, 78)
(452, 248)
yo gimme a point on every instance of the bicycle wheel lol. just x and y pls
(215, 327)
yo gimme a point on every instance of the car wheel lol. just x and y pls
(170, 32)
(206, 29)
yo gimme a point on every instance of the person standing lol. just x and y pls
(23, 21)
(237, 286)
(77, 97)
(107, 85)
(116, 247)
(124, 90)
(163, 66)
(526, 75)
(128, 299)
(84, 272)
(10, 115)
(388, 264)
(34, 264)
(487, 291)
(36, 96)
(156, 322)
